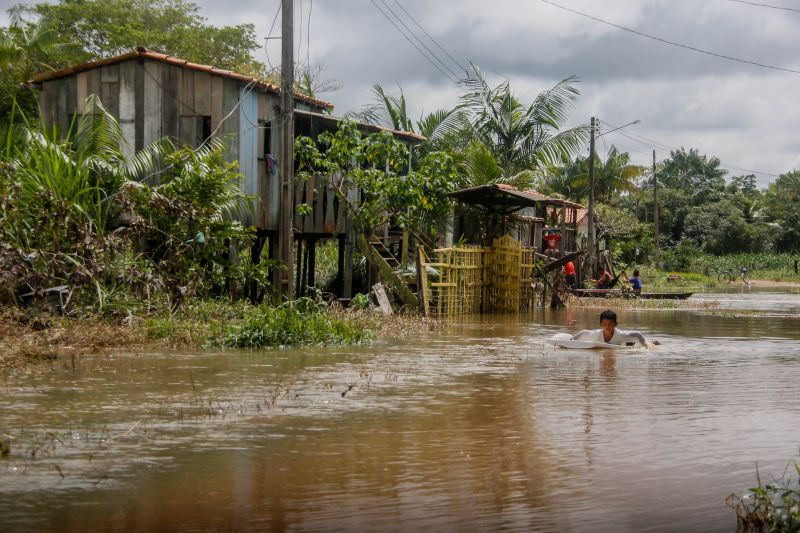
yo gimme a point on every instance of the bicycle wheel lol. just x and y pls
(745, 276)
(725, 277)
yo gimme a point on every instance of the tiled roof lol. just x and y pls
(141, 52)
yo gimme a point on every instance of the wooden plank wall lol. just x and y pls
(327, 215)
(152, 99)
(127, 106)
(152, 102)
(269, 182)
(248, 147)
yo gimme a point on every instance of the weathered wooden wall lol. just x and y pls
(152, 99)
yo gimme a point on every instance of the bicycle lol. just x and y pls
(730, 275)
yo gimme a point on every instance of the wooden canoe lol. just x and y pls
(603, 293)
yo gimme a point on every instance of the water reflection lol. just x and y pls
(482, 427)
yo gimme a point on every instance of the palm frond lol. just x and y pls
(148, 161)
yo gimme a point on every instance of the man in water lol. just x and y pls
(609, 334)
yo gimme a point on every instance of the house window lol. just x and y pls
(203, 129)
(266, 129)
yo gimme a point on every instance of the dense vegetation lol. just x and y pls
(126, 234)
(497, 139)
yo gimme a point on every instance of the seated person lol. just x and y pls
(569, 275)
(604, 278)
(609, 334)
(636, 281)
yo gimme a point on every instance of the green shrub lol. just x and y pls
(303, 322)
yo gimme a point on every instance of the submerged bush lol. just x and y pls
(774, 507)
(304, 322)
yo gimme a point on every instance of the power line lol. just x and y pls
(308, 36)
(766, 5)
(673, 43)
(662, 148)
(300, 38)
(454, 60)
(413, 34)
(269, 35)
(374, 3)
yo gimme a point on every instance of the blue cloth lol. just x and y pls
(636, 283)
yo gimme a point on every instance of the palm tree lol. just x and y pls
(479, 166)
(25, 48)
(612, 175)
(390, 111)
(520, 137)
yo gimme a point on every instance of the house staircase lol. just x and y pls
(381, 258)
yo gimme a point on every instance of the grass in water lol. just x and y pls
(774, 507)
(303, 323)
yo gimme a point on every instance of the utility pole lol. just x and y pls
(590, 255)
(286, 157)
(655, 207)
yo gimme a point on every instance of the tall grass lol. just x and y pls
(770, 265)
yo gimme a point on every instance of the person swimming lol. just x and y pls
(609, 334)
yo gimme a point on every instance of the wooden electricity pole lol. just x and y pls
(286, 158)
(655, 207)
(592, 244)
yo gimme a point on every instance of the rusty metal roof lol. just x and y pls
(410, 136)
(553, 201)
(141, 52)
(498, 197)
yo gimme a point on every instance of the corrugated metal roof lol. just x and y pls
(552, 201)
(141, 52)
(399, 133)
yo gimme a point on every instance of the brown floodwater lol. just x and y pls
(483, 426)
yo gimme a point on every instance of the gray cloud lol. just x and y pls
(741, 113)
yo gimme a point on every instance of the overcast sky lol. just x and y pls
(746, 115)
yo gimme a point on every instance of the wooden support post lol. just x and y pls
(655, 209)
(404, 250)
(233, 257)
(286, 160)
(252, 292)
(312, 263)
(299, 246)
(304, 276)
(590, 253)
(349, 246)
(340, 267)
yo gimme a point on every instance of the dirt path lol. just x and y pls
(770, 283)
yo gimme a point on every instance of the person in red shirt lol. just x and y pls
(569, 275)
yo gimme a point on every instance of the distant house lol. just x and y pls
(155, 95)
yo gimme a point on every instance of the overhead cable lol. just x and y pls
(662, 148)
(445, 74)
(767, 5)
(672, 43)
(443, 49)
(415, 36)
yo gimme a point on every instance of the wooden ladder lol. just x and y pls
(384, 252)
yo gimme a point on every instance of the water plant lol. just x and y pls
(772, 507)
(303, 322)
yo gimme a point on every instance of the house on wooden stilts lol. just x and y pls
(155, 95)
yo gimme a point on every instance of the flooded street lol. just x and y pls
(483, 426)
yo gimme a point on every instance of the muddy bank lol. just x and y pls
(41, 339)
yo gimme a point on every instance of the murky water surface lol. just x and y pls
(481, 427)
